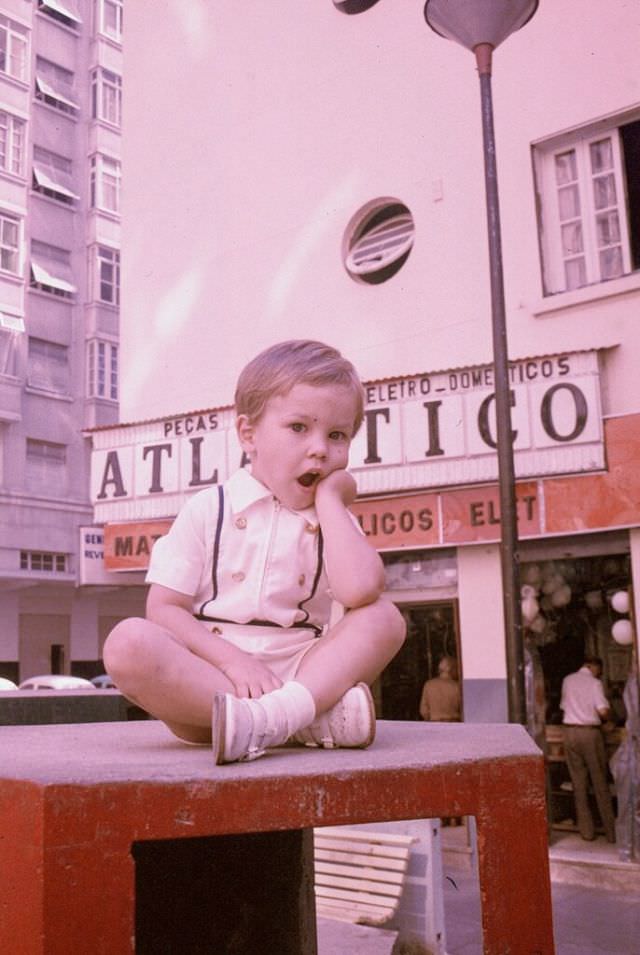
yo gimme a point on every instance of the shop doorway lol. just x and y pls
(432, 633)
(574, 607)
(44, 643)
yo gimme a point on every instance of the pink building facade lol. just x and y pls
(308, 170)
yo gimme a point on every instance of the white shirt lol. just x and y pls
(582, 698)
(268, 564)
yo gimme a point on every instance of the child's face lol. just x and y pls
(300, 438)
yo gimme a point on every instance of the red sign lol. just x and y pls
(472, 515)
(400, 521)
(128, 546)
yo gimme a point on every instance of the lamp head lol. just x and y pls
(475, 22)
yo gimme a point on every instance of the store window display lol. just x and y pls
(574, 609)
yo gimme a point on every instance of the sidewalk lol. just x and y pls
(588, 920)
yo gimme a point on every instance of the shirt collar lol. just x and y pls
(243, 490)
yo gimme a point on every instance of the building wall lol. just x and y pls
(238, 214)
(45, 331)
(251, 200)
(484, 665)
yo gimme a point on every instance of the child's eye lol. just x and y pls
(298, 427)
(338, 436)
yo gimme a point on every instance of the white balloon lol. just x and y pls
(532, 574)
(538, 624)
(622, 632)
(530, 608)
(553, 583)
(620, 601)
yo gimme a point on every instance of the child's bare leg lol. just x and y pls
(357, 649)
(152, 669)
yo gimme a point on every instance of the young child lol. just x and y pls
(235, 647)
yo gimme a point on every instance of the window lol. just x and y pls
(13, 48)
(107, 275)
(12, 141)
(11, 327)
(110, 18)
(105, 183)
(106, 96)
(378, 241)
(55, 86)
(51, 269)
(61, 12)
(9, 243)
(48, 366)
(37, 560)
(589, 206)
(102, 370)
(52, 176)
(46, 466)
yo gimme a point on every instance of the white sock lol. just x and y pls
(291, 706)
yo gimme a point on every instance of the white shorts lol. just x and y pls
(281, 649)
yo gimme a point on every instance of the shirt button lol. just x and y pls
(238, 576)
(301, 579)
(311, 528)
(241, 523)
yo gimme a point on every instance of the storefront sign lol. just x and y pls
(472, 515)
(464, 516)
(459, 516)
(128, 546)
(93, 566)
(434, 430)
(401, 522)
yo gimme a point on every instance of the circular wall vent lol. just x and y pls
(378, 241)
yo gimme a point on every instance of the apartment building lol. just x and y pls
(60, 175)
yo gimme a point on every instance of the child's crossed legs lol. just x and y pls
(151, 667)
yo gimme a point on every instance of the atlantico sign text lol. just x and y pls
(425, 431)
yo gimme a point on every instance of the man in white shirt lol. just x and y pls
(585, 708)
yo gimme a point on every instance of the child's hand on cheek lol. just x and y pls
(338, 484)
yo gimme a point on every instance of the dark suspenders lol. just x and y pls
(316, 578)
(216, 553)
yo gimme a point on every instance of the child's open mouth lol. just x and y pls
(309, 479)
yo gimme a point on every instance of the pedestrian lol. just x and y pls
(236, 646)
(585, 708)
(440, 700)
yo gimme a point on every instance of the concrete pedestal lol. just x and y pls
(84, 810)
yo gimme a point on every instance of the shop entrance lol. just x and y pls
(573, 608)
(432, 633)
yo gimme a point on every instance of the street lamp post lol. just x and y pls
(480, 25)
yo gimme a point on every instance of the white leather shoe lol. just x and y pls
(240, 730)
(351, 722)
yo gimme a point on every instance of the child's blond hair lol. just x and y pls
(277, 369)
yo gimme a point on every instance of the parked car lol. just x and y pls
(103, 682)
(7, 684)
(56, 681)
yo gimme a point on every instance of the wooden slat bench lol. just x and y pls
(359, 874)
